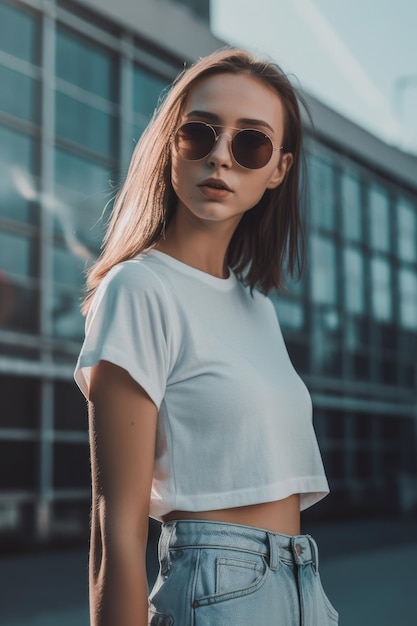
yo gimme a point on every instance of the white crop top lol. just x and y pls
(235, 420)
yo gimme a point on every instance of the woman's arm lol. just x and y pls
(122, 421)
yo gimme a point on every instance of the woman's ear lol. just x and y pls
(281, 170)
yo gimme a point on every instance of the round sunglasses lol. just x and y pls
(251, 148)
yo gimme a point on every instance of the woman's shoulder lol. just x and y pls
(137, 273)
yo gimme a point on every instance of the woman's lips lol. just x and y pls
(216, 193)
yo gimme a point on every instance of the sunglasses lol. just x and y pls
(251, 148)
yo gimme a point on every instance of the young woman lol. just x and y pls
(197, 417)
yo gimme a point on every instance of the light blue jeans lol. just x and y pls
(218, 574)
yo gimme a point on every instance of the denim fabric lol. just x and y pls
(218, 574)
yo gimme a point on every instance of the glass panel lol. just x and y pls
(67, 268)
(352, 209)
(379, 219)
(381, 289)
(19, 402)
(68, 323)
(81, 195)
(21, 96)
(146, 91)
(353, 280)
(407, 231)
(408, 298)
(17, 465)
(290, 313)
(16, 254)
(18, 32)
(71, 465)
(322, 196)
(70, 409)
(86, 65)
(18, 307)
(85, 125)
(17, 187)
(323, 270)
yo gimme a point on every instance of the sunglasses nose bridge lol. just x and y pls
(218, 144)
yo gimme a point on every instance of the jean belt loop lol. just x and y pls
(273, 552)
(314, 553)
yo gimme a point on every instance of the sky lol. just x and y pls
(357, 56)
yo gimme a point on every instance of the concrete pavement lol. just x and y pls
(368, 571)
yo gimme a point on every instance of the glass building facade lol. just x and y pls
(77, 91)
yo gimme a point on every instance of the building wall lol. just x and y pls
(82, 81)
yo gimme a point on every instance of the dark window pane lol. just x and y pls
(362, 426)
(363, 464)
(18, 32)
(18, 465)
(20, 98)
(16, 254)
(71, 465)
(19, 406)
(379, 219)
(86, 65)
(146, 91)
(17, 186)
(18, 306)
(299, 354)
(352, 208)
(68, 322)
(85, 125)
(322, 197)
(334, 462)
(360, 366)
(70, 407)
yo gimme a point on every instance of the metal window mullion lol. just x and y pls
(45, 483)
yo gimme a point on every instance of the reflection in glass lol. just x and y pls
(86, 65)
(381, 289)
(408, 298)
(351, 206)
(322, 196)
(67, 268)
(379, 219)
(323, 270)
(84, 124)
(16, 163)
(20, 97)
(82, 191)
(407, 231)
(18, 32)
(354, 280)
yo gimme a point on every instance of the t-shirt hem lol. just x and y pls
(311, 489)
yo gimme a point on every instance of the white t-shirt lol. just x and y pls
(235, 420)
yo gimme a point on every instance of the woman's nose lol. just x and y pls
(222, 151)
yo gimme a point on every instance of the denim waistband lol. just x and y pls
(301, 549)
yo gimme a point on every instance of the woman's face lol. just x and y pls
(234, 102)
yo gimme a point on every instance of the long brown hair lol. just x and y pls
(269, 238)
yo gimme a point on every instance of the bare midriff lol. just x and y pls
(280, 516)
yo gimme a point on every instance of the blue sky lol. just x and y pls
(348, 53)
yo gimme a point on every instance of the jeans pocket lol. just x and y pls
(234, 577)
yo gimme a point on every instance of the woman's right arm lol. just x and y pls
(122, 422)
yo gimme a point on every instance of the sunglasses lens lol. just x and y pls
(252, 149)
(194, 141)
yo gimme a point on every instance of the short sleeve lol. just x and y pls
(127, 325)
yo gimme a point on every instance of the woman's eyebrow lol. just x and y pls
(212, 117)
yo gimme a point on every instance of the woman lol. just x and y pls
(197, 416)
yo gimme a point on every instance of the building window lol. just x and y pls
(408, 298)
(352, 211)
(407, 231)
(322, 196)
(19, 32)
(323, 270)
(381, 289)
(354, 280)
(379, 219)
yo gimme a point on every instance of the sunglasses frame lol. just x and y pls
(217, 136)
